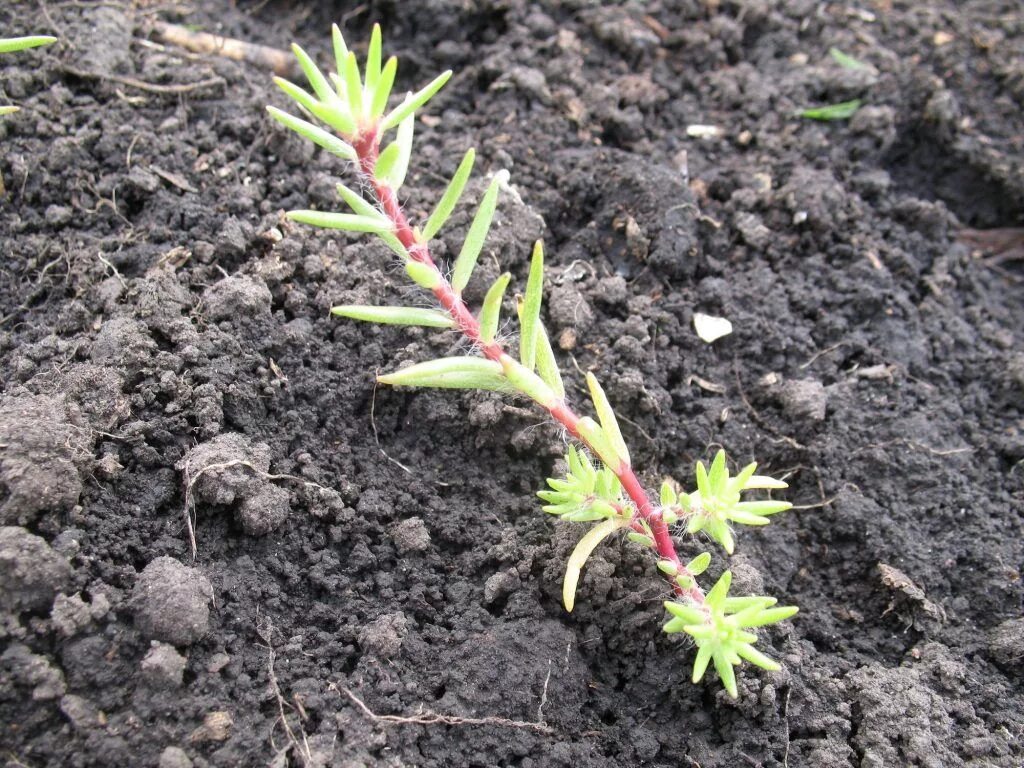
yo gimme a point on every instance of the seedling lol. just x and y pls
(600, 487)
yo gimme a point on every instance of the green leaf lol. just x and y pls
(334, 114)
(317, 135)
(529, 383)
(703, 486)
(384, 84)
(477, 233)
(451, 196)
(842, 111)
(340, 49)
(607, 417)
(316, 79)
(9, 110)
(700, 665)
(593, 435)
(386, 161)
(450, 373)
(767, 483)
(668, 567)
(718, 475)
(716, 597)
(373, 61)
(688, 613)
(414, 101)
(699, 564)
(12, 44)
(772, 616)
(353, 86)
(766, 507)
(403, 140)
(424, 275)
(347, 221)
(547, 365)
(529, 314)
(490, 313)
(394, 244)
(845, 60)
(358, 203)
(430, 318)
(668, 494)
(757, 658)
(581, 554)
(641, 539)
(726, 673)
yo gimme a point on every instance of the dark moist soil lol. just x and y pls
(166, 347)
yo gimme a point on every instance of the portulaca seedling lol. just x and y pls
(600, 487)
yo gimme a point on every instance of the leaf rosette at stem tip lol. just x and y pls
(716, 502)
(720, 628)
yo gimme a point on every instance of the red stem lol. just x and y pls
(366, 147)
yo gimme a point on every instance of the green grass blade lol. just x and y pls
(428, 318)
(451, 196)
(606, 416)
(477, 233)
(414, 101)
(345, 221)
(321, 87)
(491, 310)
(450, 373)
(530, 315)
(314, 133)
(841, 111)
(12, 44)
(383, 91)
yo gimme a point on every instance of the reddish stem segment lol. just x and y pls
(366, 147)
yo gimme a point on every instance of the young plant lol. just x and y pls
(607, 494)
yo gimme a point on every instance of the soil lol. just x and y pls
(167, 356)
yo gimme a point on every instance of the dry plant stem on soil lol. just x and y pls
(354, 105)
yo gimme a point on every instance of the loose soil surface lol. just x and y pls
(168, 356)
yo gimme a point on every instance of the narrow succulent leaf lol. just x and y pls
(586, 516)
(845, 60)
(700, 664)
(451, 196)
(490, 313)
(701, 631)
(553, 497)
(673, 626)
(750, 612)
(321, 87)
(529, 315)
(668, 567)
(414, 101)
(562, 486)
(340, 49)
(428, 318)
(757, 482)
(607, 417)
(668, 494)
(747, 518)
(581, 554)
(353, 85)
(773, 616)
(737, 604)
(739, 482)
(384, 85)
(592, 434)
(449, 373)
(766, 507)
(757, 658)
(403, 140)
(373, 61)
(723, 535)
(424, 275)
(696, 524)
(699, 564)
(347, 221)
(558, 509)
(726, 673)
(314, 133)
(641, 539)
(386, 160)
(8, 110)
(718, 475)
(716, 597)
(841, 111)
(687, 613)
(359, 204)
(12, 44)
(394, 244)
(547, 366)
(333, 114)
(474, 242)
(703, 487)
(530, 384)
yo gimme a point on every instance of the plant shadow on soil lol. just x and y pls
(168, 355)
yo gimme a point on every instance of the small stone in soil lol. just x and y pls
(172, 602)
